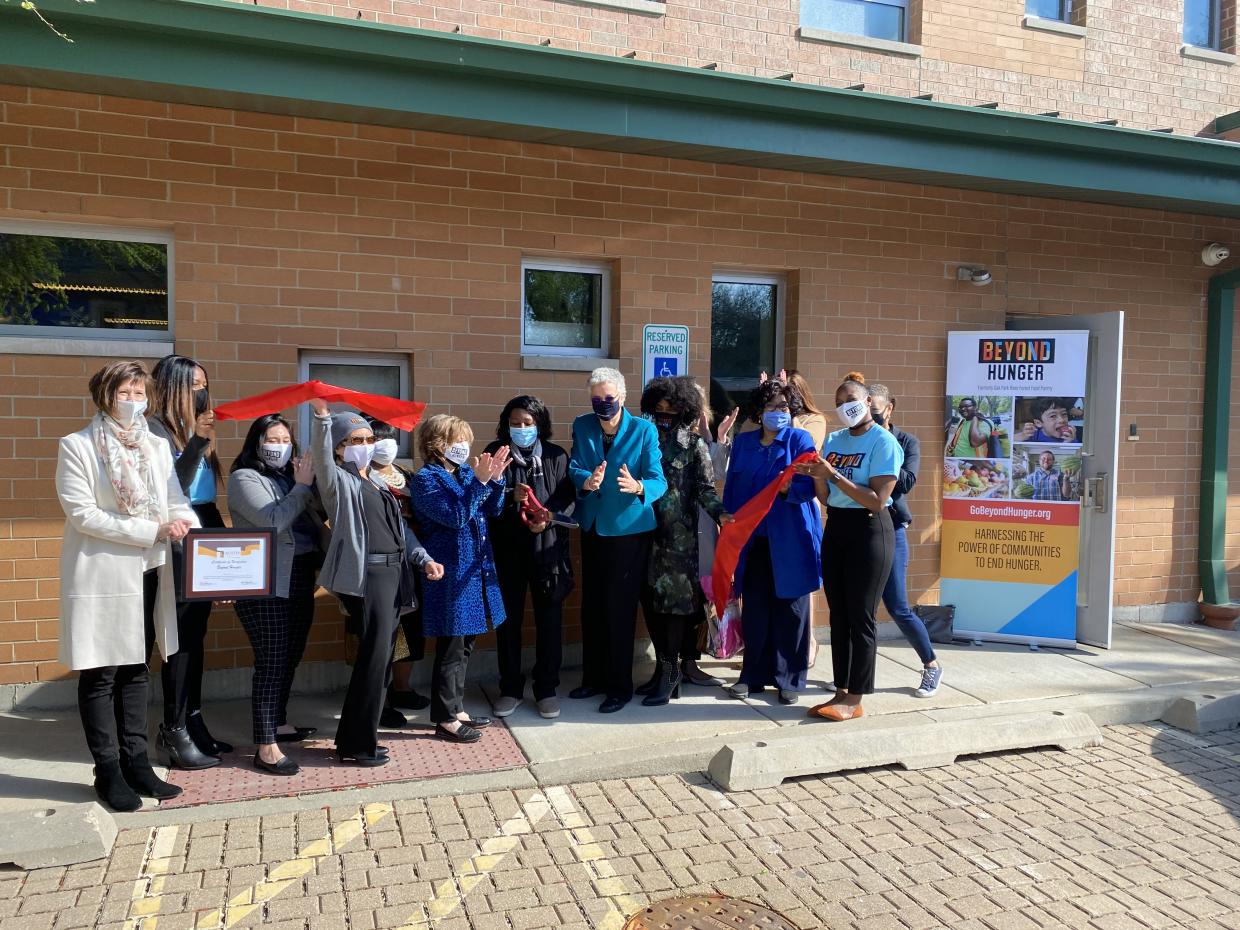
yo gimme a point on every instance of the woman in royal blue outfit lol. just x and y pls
(779, 568)
(617, 470)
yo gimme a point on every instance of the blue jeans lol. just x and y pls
(895, 599)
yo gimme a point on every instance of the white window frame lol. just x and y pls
(536, 263)
(780, 281)
(902, 4)
(319, 357)
(108, 233)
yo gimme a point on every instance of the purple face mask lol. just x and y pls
(605, 407)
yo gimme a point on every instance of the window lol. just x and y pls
(1202, 19)
(95, 282)
(386, 375)
(746, 330)
(564, 307)
(1050, 9)
(877, 19)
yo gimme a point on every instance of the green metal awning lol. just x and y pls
(226, 54)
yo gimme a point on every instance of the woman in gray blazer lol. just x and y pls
(270, 486)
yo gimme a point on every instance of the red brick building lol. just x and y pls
(361, 192)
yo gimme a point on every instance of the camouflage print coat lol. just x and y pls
(672, 586)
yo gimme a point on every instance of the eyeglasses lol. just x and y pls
(360, 441)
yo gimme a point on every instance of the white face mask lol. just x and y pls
(127, 411)
(385, 452)
(853, 412)
(359, 455)
(276, 454)
(457, 453)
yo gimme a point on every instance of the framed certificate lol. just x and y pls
(224, 564)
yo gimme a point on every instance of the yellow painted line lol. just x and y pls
(291, 871)
(611, 887)
(448, 895)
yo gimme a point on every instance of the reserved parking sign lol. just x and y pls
(665, 351)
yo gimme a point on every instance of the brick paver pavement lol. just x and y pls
(1139, 833)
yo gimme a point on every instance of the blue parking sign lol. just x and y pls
(665, 366)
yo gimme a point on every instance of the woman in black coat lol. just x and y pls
(531, 555)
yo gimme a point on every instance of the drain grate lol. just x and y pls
(707, 912)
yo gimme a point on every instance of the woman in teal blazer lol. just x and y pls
(618, 472)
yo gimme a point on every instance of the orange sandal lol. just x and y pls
(837, 712)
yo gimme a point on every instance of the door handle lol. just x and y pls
(1098, 492)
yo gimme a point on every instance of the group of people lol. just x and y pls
(452, 551)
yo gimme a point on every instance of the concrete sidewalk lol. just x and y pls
(43, 762)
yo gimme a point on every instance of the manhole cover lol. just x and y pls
(707, 912)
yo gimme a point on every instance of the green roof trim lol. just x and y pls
(228, 54)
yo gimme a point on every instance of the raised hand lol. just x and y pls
(729, 421)
(303, 470)
(204, 426)
(595, 481)
(499, 461)
(318, 405)
(627, 483)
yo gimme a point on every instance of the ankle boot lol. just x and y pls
(141, 778)
(202, 737)
(652, 685)
(667, 687)
(112, 788)
(180, 752)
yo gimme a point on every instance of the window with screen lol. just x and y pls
(564, 308)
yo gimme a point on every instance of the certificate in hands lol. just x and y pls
(225, 564)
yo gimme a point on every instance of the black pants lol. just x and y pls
(375, 618)
(112, 699)
(774, 627)
(448, 676)
(181, 675)
(613, 571)
(670, 633)
(278, 628)
(517, 573)
(857, 551)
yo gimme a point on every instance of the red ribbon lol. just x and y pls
(403, 414)
(734, 536)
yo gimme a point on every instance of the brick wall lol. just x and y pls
(294, 233)
(1128, 67)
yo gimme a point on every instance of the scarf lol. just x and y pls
(125, 462)
(533, 465)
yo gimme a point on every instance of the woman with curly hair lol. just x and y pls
(672, 597)
(779, 567)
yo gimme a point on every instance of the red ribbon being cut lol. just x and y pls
(734, 536)
(403, 414)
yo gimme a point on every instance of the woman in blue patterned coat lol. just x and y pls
(452, 502)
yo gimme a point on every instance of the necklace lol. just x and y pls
(396, 480)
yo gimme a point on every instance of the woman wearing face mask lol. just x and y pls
(855, 477)
(672, 595)
(615, 467)
(814, 422)
(779, 566)
(895, 594)
(453, 501)
(366, 566)
(410, 640)
(122, 504)
(180, 412)
(269, 485)
(531, 554)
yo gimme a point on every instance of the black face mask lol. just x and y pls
(665, 421)
(202, 401)
(879, 418)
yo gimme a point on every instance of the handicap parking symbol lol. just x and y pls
(665, 367)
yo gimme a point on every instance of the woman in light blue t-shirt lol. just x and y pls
(854, 476)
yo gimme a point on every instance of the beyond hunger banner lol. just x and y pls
(1012, 483)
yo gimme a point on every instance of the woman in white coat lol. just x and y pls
(123, 504)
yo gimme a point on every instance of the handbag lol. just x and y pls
(724, 638)
(938, 620)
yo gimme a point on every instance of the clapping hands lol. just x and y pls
(488, 467)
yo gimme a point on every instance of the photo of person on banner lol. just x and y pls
(1041, 473)
(979, 427)
(1049, 419)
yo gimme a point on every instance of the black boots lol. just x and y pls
(666, 687)
(180, 752)
(141, 778)
(652, 685)
(202, 737)
(112, 788)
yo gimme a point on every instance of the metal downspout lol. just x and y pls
(1216, 422)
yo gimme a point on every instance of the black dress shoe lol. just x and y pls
(285, 766)
(301, 734)
(611, 705)
(478, 723)
(362, 759)
(410, 700)
(464, 733)
(180, 752)
(139, 775)
(202, 737)
(585, 691)
(392, 719)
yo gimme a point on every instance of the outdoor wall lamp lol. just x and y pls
(974, 274)
(1215, 254)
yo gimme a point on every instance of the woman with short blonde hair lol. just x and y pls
(439, 432)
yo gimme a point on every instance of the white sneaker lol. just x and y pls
(549, 707)
(931, 678)
(506, 705)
